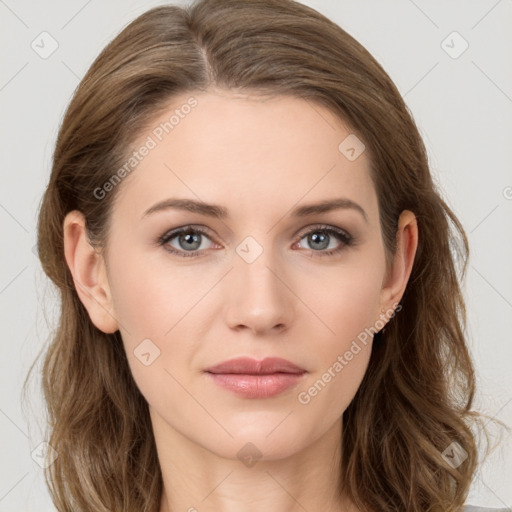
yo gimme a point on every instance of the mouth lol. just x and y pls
(248, 366)
(250, 378)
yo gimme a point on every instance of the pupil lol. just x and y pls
(191, 238)
(322, 238)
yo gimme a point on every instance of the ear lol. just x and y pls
(87, 266)
(398, 275)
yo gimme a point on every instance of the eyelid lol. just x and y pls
(172, 233)
(322, 227)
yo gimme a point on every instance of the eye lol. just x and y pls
(189, 240)
(320, 238)
(188, 237)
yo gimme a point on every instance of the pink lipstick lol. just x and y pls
(251, 378)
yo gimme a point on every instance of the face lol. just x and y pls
(261, 281)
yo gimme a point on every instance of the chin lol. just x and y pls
(254, 442)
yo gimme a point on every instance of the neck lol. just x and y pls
(197, 480)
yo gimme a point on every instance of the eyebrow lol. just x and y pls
(219, 212)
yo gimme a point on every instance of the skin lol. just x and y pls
(259, 158)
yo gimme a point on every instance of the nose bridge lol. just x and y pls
(260, 299)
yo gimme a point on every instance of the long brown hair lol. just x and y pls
(416, 396)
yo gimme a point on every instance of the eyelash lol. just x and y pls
(346, 239)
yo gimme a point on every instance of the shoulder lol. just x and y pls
(473, 508)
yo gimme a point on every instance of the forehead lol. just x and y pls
(246, 152)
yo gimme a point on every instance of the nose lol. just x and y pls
(260, 298)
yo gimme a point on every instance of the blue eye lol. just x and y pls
(321, 238)
(188, 236)
(190, 240)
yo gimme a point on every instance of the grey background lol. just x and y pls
(462, 105)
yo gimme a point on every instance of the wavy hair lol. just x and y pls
(416, 397)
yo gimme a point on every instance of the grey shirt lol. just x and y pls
(473, 508)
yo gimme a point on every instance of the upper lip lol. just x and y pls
(248, 366)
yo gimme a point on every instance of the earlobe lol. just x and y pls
(398, 277)
(87, 266)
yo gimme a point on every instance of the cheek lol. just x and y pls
(147, 298)
(349, 310)
(329, 392)
(341, 358)
(153, 305)
(348, 302)
(136, 298)
(143, 308)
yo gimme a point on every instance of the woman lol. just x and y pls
(260, 304)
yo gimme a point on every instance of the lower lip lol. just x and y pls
(257, 386)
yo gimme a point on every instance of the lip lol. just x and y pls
(251, 378)
(248, 366)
